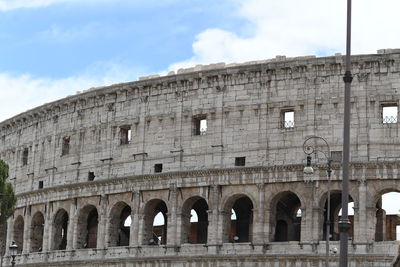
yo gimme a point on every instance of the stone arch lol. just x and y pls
(195, 232)
(88, 219)
(239, 229)
(335, 207)
(285, 220)
(18, 233)
(60, 230)
(119, 233)
(385, 222)
(155, 234)
(37, 230)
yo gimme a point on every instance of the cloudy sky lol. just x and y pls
(52, 48)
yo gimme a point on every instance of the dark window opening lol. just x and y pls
(126, 135)
(158, 167)
(288, 119)
(65, 146)
(40, 184)
(240, 161)
(25, 154)
(200, 125)
(91, 176)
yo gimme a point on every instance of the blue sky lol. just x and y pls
(52, 48)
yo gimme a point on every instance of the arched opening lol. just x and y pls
(88, 220)
(387, 217)
(239, 220)
(60, 230)
(155, 223)
(37, 230)
(19, 233)
(287, 214)
(195, 221)
(335, 214)
(120, 225)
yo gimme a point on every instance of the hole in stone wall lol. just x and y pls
(240, 161)
(158, 167)
(91, 176)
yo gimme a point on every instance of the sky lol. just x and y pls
(50, 49)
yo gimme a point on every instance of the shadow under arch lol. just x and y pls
(118, 232)
(88, 219)
(195, 231)
(238, 219)
(37, 230)
(334, 215)
(18, 233)
(154, 234)
(285, 217)
(60, 228)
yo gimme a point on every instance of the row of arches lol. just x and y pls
(237, 223)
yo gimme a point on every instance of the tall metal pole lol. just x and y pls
(344, 223)
(312, 149)
(328, 212)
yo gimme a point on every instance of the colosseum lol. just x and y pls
(204, 167)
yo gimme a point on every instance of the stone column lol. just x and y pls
(27, 231)
(268, 232)
(172, 220)
(360, 215)
(48, 229)
(213, 203)
(258, 217)
(103, 222)
(308, 222)
(134, 231)
(72, 226)
(10, 233)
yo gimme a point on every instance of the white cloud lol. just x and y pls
(297, 28)
(21, 92)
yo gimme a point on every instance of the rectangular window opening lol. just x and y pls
(65, 146)
(91, 176)
(126, 135)
(25, 154)
(389, 113)
(240, 161)
(288, 119)
(200, 125)
(40, 184)
(158, 167)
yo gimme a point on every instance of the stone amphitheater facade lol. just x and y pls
(83, 165)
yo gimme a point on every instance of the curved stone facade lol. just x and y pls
(214, 141)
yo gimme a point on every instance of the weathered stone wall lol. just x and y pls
(73, 155)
